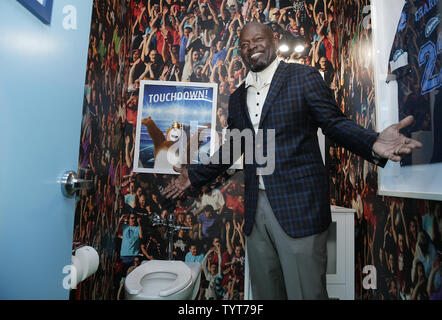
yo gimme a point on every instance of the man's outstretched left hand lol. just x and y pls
(391, 144)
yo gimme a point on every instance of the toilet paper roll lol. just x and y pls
(89, 261)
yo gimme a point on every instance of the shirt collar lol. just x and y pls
(263, 77)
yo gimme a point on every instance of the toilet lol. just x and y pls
(163, 280)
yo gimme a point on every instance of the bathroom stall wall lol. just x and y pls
(400, 237)
(131, 41)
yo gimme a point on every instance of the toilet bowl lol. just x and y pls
(163, 280)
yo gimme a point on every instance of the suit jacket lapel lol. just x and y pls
(243, 103)
(275, 87)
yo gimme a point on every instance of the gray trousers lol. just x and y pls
(282, 267)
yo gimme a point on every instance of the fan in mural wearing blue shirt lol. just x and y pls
(209, 222)
(192, 255)
(185, 29)
(131, 235)
(220, 53)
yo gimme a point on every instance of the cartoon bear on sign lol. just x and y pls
(164, 158)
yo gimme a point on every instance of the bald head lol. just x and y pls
(258, 48)
(257, 25)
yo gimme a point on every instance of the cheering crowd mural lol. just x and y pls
(197, 41)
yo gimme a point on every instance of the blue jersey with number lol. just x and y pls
(415, 62)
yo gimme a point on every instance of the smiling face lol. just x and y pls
(195, 56)
(257, 46)
(219, 45)
(187, 31)
(142, 201)
(136, 55)
(238, 251)
(153, 56)
(223, 120)
(223, 87)
(238, 31)
(132, 219)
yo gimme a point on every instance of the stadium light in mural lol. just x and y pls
(299, 48)
(283, 48)
(42, 9)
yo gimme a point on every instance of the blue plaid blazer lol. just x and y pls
(298, 102)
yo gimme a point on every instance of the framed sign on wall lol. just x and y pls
(42, 9)
(173, 124)
(407, 81)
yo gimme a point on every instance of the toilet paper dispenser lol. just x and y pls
(85, 261)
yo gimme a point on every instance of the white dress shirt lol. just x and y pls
(257, 85)
(215, 199)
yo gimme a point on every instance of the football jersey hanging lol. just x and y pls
(415, 65)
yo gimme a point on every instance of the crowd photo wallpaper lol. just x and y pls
(197, 41)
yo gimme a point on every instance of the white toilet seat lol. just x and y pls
(150, 268)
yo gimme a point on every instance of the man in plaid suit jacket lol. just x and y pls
(287, 213)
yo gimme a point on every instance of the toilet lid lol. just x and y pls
(179, 268)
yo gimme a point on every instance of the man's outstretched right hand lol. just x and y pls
(177, 186)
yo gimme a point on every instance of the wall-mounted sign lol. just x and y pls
(171, 115)
(42, 9)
